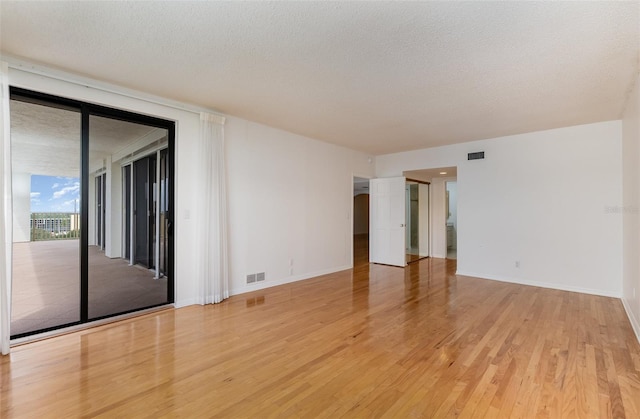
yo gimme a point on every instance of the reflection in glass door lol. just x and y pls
(146, 212)
(164, 213)
(143, 211)
(123, 265)
(100, 210)
(45, 143)
(126, 211)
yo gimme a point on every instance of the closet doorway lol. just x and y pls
(417, 220)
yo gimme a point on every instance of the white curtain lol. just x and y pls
(214, 270)
(5, 212)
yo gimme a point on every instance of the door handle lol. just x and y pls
(402, 225)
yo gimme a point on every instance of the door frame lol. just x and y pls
(86, 111)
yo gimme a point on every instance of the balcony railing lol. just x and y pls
(54, 226)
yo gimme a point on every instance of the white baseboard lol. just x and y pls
(549, 285)
(266, 284)
(185, 302)
(256, 286)
(635, 323)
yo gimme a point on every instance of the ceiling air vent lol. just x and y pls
(475, 156)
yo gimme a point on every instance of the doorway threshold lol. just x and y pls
(414, 258)
(85, 326)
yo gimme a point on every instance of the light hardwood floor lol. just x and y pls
(375, 341)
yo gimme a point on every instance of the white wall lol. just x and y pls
(542, 198)
(290, 204)
(630, 210)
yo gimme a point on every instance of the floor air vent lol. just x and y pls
(255, 277)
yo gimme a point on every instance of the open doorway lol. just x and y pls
(440, 209)
(451, 188)
(360, 221)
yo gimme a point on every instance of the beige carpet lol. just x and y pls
(46, 285)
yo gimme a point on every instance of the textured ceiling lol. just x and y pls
(44, 140)
(378, 76)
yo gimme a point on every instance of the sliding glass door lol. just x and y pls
(122, 161)
(46, 141)
(93, 207)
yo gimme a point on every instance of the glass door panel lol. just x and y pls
(122, 163)
(46, 143)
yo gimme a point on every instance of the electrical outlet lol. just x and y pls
(517, 263)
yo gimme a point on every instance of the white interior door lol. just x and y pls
(387, 221)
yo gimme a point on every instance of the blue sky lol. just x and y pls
(54, 194)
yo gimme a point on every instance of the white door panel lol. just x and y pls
(387, 221)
